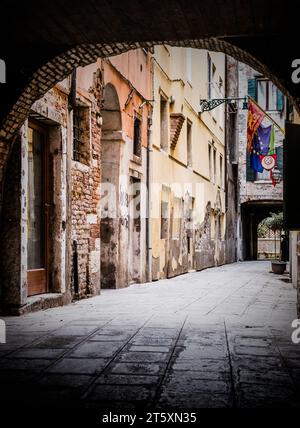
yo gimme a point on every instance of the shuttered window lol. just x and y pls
(250, 173)
(279, 152)
(252, 89)
(280, 100)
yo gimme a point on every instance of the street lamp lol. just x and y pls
(208, 105)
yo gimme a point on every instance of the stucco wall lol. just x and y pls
(174, 178)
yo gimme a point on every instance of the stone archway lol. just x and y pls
(73, 35)
(252, 214)
(76, 34)
(111, 142)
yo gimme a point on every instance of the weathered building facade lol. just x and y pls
(126, 115)
(52, 238)
(188, 162)
(87, 132)
(257, 195)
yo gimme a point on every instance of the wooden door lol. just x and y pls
(38, 205)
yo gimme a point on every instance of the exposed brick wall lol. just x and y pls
(85, 202)
(4, 152)
(76, 183)
(10, 231)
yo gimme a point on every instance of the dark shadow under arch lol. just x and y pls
(82, 55)
(111, 112)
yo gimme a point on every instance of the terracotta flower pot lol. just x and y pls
(278, 267)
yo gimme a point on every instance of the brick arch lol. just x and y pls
(82, 55)
(111, 111)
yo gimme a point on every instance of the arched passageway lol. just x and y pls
(39, 56)
(252, 215)
(77, 34)
(71, 35)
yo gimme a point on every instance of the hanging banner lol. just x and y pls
(268, 162)
(255, 118)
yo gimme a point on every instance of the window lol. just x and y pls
(250, 173)
(215, 167)
(137, 137)
(164, 220)
(268, 96)
(210, 161)
(221, 108)
(81, 134)
(221, 171)
(220, 226)
(163, 123)
(189, 144)
(211, 78)
(189, 64)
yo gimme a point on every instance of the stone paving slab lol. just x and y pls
(79, 366)
(216, 338)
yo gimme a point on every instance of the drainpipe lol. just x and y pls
(71, 263)
(149, 179)
(148, 220)
(73, 89)
(226, 136)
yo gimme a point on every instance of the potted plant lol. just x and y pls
(275, 224)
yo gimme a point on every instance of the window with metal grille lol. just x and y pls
(164, 131)
(137, 137)
(189, 144)
(81, 134)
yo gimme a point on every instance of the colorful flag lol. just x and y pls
(255, 161)
(255, 118)
(264, 139)
(272, 149)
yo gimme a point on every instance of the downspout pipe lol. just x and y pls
(149, 178)
(73, 90)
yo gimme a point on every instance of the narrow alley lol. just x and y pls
(216, 338)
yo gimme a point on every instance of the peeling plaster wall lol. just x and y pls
(232, 144)
(74, 197)
(123, 237)
(254, 190)
(199, 241)
(258, 190)
(85, 218)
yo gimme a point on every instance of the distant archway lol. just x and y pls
(111, 140)
(111, 112)
(252, 214)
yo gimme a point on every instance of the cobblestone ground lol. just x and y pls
(217, 338)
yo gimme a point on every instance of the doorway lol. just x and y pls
(253, 213)
(134, 267)
(38, 210)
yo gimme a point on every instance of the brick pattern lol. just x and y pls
(177, 121)
(85, 221)
(84, 206)
(61, 66)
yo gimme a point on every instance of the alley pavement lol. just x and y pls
(216, 338)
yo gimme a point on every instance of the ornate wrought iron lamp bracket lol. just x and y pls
(208, 105)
